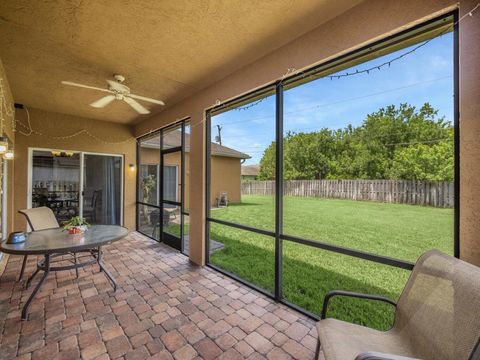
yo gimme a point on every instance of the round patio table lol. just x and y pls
(54, 243)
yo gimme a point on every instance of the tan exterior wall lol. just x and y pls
(225, 174)
(369, 21)
(152, 157)
(53, 124)
(470, 135)
(8, 131)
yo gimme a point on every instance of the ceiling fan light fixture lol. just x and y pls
(9, 154)
(58, 153)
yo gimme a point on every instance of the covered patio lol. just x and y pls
(127, 127)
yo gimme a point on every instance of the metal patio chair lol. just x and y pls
(41, 218)
(437, 317)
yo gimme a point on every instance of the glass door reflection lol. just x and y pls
(102, 189)
(56, 182)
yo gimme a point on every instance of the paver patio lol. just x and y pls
(164, 308)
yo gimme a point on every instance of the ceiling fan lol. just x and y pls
(118, 91)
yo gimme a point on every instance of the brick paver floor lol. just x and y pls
(164, 308)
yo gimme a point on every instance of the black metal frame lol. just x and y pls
(279, 88)
(456, 134)
(162, 152)
(208, 146)
(357, 295)
(278, 189)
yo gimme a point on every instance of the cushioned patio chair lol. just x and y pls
(40, 218)
(437, 317)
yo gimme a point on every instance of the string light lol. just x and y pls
(4, 142)
(389, 62)
(31, 131)
(293, 71)
(246, 107)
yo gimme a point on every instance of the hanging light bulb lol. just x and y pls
(3, 144)
(9, 154)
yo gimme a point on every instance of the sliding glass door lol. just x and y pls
(102, 189)
(161, 211)
(77, 184)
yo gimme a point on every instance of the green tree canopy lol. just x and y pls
(395, 142)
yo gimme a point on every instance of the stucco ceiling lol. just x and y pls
(167, 49)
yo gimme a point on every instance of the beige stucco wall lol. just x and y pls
(470, 135)
(54, 124)
(367, 22)
(8, 119)
(225, 174)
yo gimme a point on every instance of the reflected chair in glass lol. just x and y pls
(436, 317)
(90, 210)
(40, 218)
(169, 214)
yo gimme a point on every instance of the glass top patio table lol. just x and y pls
(55, 241)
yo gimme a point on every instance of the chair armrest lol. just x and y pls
(333, 293)
(373, 355)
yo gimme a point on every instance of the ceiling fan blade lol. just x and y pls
(85, 86)
(159, 102)
(102, 102)
(136, 106)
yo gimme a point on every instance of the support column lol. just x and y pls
(197, 189)
(469, 48)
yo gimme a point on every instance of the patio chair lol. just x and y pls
(437, 317)
(39, 218)
(222, 200)
(168, 214)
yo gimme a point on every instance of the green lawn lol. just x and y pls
(399, 231)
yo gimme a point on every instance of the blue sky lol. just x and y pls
(426, 75)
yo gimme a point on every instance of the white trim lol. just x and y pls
(5, 229)
(81, 174)
(29, 177)
(80, 184)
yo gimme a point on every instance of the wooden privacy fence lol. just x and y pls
(427, 193)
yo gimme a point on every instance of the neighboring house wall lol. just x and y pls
(225, 174)
(225, 177)
(362, 24)
(152, 157)
(54, 124)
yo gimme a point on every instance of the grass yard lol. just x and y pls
(395, 230)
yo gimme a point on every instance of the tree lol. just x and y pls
(424, 162)
(390, 143)
(267, 163)
(389, 128)
(308, 155)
